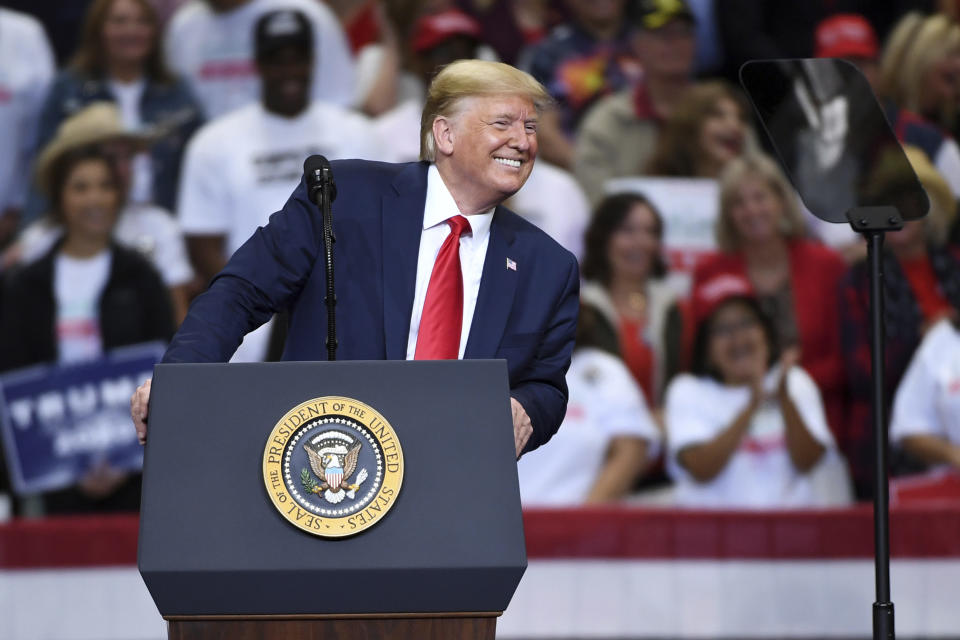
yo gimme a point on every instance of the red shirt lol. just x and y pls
(923, 284)
(637, 355)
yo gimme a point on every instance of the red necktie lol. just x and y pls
(442, 317)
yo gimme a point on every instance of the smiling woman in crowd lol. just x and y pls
(747, 427)
(707, 130)
(624, 273)
(86, 296)
(760, 233)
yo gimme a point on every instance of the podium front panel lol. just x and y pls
(212, 542)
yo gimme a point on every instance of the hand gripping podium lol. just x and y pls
(247, 463)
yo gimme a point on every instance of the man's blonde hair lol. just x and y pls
(467, 78)
(747, 167)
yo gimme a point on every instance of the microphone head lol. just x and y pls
(317, 169)
(315, 163)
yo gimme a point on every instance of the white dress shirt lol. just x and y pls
(439, 207)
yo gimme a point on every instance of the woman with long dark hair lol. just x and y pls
(747, 427)
(624, 273)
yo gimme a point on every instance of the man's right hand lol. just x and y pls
(139, 405)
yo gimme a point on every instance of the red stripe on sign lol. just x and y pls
(927, 531)
(665, 534)
(78, 541)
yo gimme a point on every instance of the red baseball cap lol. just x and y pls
(432, 29)
(846, 35)
(708, 296)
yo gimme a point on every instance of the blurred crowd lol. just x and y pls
(146, 144)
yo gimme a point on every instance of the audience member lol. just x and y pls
(618, 135)
(210, 43)
(926, 407)
(580, 62)
(377, 61)
(607, 436)
(119, 60)
(87, 295)
(242, 166)
(920, 68)
(704, 133)
(747, 427)
(26, 68)
(922, 286)
(150, 230)
(623, 270)
(760, 233)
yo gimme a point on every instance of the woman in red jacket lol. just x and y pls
(761, 236)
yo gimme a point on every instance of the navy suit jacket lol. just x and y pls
(526, 315)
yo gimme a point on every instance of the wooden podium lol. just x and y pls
(221, 561)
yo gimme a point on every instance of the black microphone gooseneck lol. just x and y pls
(322, 191)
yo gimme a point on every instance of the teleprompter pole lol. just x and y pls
(873, 223)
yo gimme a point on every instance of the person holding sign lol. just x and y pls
(84, 297)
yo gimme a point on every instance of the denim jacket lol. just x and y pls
(170, 109)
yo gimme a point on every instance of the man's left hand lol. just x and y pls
(522, 427)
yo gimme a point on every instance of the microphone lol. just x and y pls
(318, 173)
(322, 192)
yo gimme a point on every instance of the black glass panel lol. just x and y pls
(832, 137)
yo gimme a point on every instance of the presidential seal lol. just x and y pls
(333, 466)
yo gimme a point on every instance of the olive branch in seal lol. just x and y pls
(308, 482)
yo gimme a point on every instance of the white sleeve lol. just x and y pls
(805, 395)
(203, 205)
(172, 52)
(688, 421)
(170, 253)
(914, 404)
(624, 411)
(948, 164)
(365, 142)
(575, 217)
(333, 74)
(40, 58)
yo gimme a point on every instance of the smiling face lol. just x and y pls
(722, 135)
(90, 202)
(738, 348)
(634, 245)
(285, 76)
(486, 149)
(756, 211)
(128, 32)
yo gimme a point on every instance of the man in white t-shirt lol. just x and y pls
(210, 42)
(926, 408)
(26, 69)
(243, 166)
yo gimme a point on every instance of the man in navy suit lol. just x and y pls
(398, 227)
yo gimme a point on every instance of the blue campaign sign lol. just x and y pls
(59, 421)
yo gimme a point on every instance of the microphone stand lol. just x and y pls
(323, 191)
(873, 223)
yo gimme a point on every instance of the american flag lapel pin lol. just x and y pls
(511, 265)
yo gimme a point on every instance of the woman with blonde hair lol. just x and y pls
(119, 60)
(920, 67)
(762, 238)
(706, 131)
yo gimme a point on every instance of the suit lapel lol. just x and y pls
(402, 215)
(498, 285)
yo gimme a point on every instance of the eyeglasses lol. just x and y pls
(729, 328)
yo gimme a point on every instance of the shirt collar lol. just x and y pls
(440, 206)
